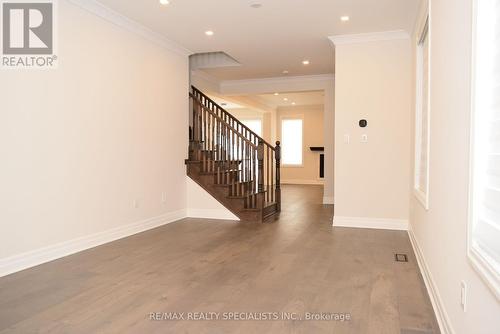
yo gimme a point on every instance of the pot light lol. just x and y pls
(305, 62)
(276, 94)
(293, 103)
(164, 2)
(209, 33)
(344, 18)
(285, 99)
(285, 72)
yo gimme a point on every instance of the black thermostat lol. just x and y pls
(363, 123)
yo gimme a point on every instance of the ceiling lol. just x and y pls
(270, 39)
(292, 99)
(225, 103)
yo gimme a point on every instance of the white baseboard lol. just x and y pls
(366, 222)
(211, 214)
(26, 260)
(299, 181)
(328, 200)
(437, 303)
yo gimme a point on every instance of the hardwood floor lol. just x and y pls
(298, 264)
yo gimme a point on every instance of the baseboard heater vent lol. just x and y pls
(401, 257)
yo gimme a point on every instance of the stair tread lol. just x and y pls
(222, 171)
(231, 184)
(245, 196)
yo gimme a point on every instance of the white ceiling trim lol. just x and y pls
(126, 23)
(277, 84)
(280, 80)
(369, 37)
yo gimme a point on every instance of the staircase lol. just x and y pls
(232, 163)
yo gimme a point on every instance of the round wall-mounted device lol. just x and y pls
(363, 123)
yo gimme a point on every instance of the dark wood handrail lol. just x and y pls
(230, 115)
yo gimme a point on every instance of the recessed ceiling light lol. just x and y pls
(164, 2)
(344, 18)
(293, 103)
(285, 99)
(209, 33)
(305, 62)
(276, 94)
(285, 72)
(255, 5)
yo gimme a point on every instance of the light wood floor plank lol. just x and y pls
(299, 263)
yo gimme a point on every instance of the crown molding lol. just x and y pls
(130, 25)
(369, 37)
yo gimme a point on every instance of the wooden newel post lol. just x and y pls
(278, 185)
(260, 158)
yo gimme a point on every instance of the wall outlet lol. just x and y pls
(163, 197)
(346, 139)
(364, 138)
(135, 203)
(463, 295)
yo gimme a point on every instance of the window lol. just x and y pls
(291, 142)
(422, 119)
(484, 206)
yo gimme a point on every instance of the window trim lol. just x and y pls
(422, 197)
(293, 117)
(477, 260)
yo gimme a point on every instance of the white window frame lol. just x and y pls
(300, 117)
(479, 261)
(422, 194)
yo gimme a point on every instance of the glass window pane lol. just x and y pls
(291, 141)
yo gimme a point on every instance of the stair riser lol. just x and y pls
(227, 177)
(238, 189)
(212, 166)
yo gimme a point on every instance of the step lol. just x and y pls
(245, 196)
(226, 171)
(232, 184)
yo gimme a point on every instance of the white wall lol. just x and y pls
(440, 232)
(251, 114)
(80, 143)
(372, 82)
(202, 205)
